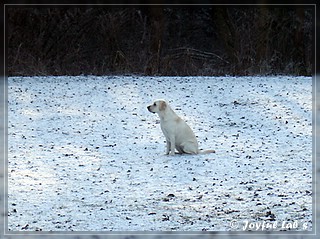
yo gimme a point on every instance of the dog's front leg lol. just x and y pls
(172, 145)
(168, 147)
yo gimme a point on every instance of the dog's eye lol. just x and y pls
(154, 104)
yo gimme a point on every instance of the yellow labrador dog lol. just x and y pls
(178, 134)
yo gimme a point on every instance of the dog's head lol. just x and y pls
(157, 106)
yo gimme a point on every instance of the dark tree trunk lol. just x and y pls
(227, 35)
(156, 36)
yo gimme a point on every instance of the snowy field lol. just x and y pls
(84, 154)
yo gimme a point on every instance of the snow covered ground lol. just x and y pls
(84, 154)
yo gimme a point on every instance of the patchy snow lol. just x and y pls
(84, 154)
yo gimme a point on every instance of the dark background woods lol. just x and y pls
(149, 40)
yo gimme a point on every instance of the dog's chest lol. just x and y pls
(167, 127)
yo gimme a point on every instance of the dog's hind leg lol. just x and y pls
(189, 148)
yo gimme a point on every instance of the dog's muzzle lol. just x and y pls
(149, 108)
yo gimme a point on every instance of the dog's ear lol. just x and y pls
(162, 106)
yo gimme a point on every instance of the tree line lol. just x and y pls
(160, 40)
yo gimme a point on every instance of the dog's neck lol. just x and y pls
(168, 114)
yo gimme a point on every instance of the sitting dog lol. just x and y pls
(178, 134)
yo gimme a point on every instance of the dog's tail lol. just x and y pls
(209, 151)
